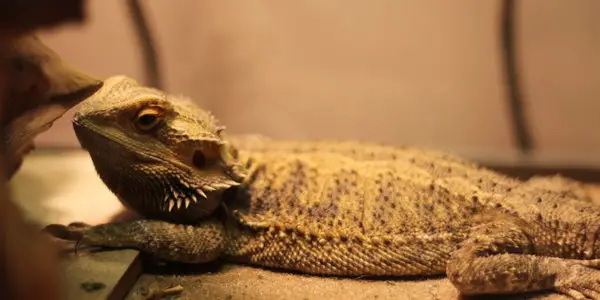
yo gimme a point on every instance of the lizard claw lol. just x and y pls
(75, 231)
(104, 235)
(79, 225)
(69, 233)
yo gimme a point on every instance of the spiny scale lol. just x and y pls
(231, 183)
(179, 200)
(182, 198)
(201, 193)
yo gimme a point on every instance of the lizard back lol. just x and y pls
(344, 204)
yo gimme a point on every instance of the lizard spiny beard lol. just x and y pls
(156, 191)
(183, 192)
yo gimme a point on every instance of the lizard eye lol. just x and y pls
(147, 119)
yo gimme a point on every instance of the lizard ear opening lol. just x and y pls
(206, 157)
(208, 154)
(199, 159)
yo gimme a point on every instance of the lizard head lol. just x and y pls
(161, 155)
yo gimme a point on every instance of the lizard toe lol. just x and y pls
(579, 282)
(79, 225)
(591, 293)
(574, 294)
(65, 232)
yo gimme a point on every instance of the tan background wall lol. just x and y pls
(403, 72)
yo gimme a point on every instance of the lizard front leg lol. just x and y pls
(167, 241)
(499, 258)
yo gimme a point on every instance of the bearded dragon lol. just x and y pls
(326, 207)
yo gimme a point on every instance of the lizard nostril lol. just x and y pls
(199, 159)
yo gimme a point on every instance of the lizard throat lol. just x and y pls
(159, 195)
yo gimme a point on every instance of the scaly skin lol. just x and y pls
(327, 208)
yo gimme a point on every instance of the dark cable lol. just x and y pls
(151, 64)
(514, 96)
(519, 120)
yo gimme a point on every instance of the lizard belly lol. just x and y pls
(354, 256)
